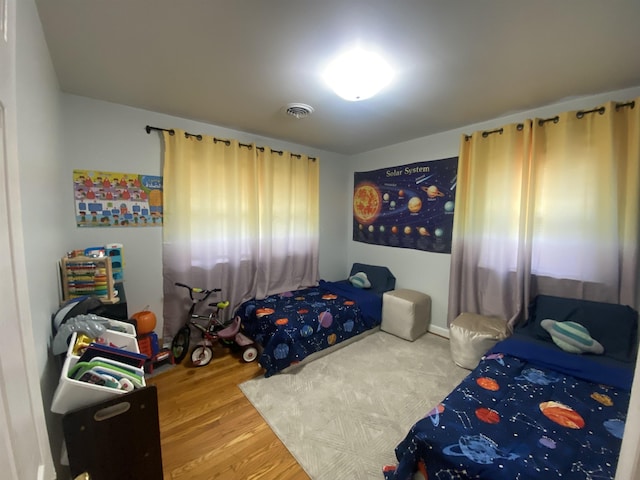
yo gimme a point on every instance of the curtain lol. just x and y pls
(237, 217)
(549, 206)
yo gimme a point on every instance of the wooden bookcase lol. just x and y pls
(88, 276)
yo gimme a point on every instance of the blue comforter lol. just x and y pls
(518, 418)
(292, 325)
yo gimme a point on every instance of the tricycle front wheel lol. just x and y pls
(201, 355)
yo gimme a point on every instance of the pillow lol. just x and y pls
(614, 326)
(571, 337)
(360, 280)
(382, 280)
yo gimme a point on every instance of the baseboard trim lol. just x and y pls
(442, 332)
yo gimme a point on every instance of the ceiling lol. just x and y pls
(237, 63)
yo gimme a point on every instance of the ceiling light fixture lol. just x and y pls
(358, 75)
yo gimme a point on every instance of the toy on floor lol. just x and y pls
(229, 336)
(148, 341)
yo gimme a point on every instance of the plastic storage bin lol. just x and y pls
(73, 394)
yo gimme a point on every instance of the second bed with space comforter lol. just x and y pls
(290, 326)
(530, 410)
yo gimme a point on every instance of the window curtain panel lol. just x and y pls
(549, 206)
(237, 217)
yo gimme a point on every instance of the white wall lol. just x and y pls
(38, 112)
(425, 271)
(109, 137)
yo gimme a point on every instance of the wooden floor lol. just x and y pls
(209, 430)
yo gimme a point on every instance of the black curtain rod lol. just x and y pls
(556, 119)
(172, 132)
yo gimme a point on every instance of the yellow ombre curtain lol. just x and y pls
(237, 217)
(549, 206)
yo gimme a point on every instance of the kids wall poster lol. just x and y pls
(408, 206)
(110, 199)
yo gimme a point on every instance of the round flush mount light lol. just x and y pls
(358, 74)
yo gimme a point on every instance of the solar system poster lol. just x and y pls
(111, 199)
(406, 206)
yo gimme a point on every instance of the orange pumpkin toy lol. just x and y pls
(148, 340)
(145, 321)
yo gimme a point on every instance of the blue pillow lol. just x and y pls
(571, 337)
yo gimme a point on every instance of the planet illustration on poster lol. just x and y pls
(407, 230)
(438, 232)
(562, 415)
(414, 205)
(423, 232)
(433, 191)
(449, 206)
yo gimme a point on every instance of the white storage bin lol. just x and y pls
(121, 327)
(72, 394)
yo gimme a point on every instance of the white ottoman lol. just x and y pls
(406, 313)
(472, 335)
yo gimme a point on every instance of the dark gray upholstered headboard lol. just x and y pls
(381, 278)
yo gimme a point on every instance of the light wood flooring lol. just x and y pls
(208, 428)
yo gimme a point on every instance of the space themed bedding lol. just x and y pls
(527, 411)
(291, 326)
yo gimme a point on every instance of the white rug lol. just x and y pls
(342, 415)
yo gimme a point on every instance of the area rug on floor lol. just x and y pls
(342, 415)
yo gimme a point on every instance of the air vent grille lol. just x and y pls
(298, 110)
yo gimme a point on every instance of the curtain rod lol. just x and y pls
(172, 132)
(556, 119)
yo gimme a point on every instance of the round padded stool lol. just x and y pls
(472, 335)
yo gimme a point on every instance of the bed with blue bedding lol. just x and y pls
(531, 410)
(291, 326)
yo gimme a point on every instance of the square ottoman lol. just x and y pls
(472, 335)
(406, 313)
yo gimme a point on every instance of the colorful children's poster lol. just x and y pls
(408, 206)
(110, 199)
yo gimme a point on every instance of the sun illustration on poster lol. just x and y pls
(367, 203)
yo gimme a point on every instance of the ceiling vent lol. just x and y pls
(298, 110)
